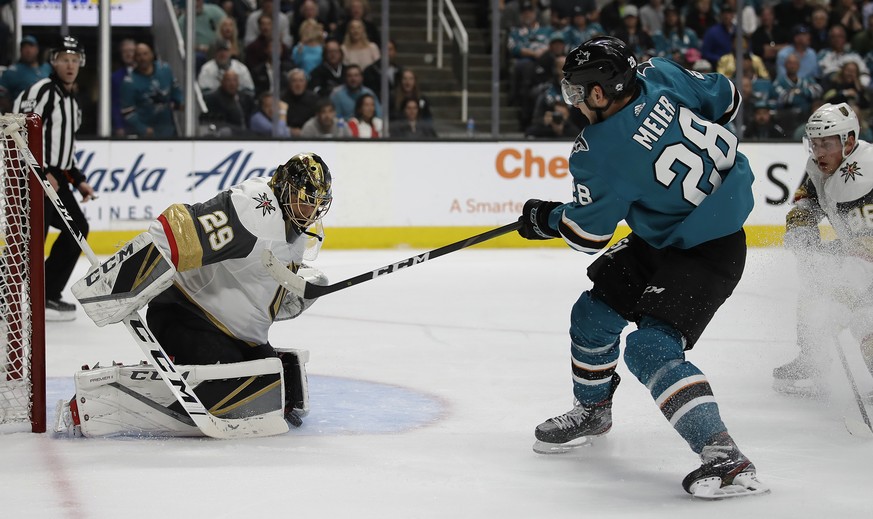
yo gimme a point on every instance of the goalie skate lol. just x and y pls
(725, 473)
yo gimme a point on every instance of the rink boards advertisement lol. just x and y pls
(385, 193)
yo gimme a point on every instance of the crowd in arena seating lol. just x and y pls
(797, 54)
(330, 66)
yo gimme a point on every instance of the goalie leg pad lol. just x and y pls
(125, 282)
(133, 400)
(296, 384)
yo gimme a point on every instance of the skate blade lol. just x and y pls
(541, 447)
(799, 388)
(743, 485)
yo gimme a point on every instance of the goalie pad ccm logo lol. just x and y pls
(110, 264)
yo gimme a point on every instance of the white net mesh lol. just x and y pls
(15, 314)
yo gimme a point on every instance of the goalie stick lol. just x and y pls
(215, 427)
(299, 286)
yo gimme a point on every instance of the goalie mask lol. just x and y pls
(302, 186)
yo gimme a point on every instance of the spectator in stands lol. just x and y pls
(549, 93)
(805, 55)
(793, 12)
(862, 42)
(227, 32)
(408, 89)
(752, 65)
(149, 95)
(345, 96)
(365, 124)
(794, 92)
(262, 76)
(652, 16)
(818, 29)
(206, 24)
(307, 11)
(238, 11)
(126, 54)
(300, 101)
(555, 124)
(846, 13)
(674, 39)
(373, 73)
(323, 125)
(528, 45)
(412, 126)
(611, 15)
(330, 74)
(308, 52)
(357, 49)
(831, 60)
(631, 32)
(768, 39)
(581, 29)
(558, 20)
(255, 31)
(358, 10)
(260, 50)
(846, 87)
(719, 39)
(21, 75)
(213, 70)
(328, 13)
(261, 121)
(700, 17)
(763, 127)
(229, 107)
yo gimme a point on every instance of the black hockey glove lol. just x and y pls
(535, 220)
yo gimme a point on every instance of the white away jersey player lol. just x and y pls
(216, 247)
(846, 197)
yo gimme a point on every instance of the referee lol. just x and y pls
(54, 100)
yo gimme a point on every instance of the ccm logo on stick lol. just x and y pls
(401, 264)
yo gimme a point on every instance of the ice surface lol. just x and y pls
(427, 385)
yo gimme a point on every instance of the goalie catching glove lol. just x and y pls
(126, 282)
(535, 220)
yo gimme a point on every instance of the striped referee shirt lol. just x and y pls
(61, 118)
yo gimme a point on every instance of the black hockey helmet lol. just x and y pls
(69, 45)
(303, 187)
(604, 61)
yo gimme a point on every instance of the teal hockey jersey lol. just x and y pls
(665, 163)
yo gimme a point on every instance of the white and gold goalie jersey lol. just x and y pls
(216, 247)
(845, 198)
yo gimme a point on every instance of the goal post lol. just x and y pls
(22, 290)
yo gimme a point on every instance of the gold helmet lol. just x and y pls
(302, 186)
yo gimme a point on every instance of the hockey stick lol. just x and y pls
(299, 286)
(264, 425)
(855, 430)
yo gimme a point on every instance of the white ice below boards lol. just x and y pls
(426, 387)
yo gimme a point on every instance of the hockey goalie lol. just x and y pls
(211, 303)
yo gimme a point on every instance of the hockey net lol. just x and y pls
(22, 297)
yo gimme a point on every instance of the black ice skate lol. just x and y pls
(800, 377)
(576, 427)
(725, 472)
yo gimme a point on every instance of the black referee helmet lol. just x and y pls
(69, 45)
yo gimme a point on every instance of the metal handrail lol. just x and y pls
(459, 32)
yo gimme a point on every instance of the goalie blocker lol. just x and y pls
(132, 400)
